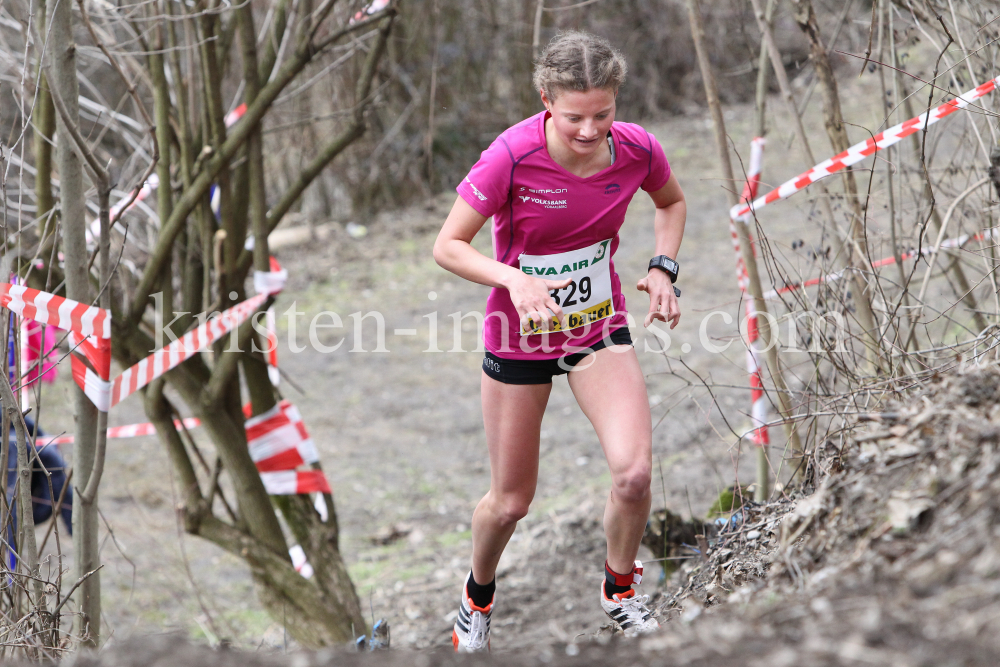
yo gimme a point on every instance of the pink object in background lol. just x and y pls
(41, 344)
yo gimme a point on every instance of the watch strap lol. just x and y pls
(666, 264)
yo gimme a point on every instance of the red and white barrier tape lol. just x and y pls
(295, 482)
(129, 431)
(270, 325)
(276, 443)
(957, 242)
(62, 313)
(170, 356)
(758, 405)
(860, 151)
(235, 115)
(279, 443)
(299, 561)
(295, 417)
(89, 327)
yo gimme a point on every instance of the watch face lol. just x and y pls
(666, 264)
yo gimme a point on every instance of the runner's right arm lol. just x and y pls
(453, 251)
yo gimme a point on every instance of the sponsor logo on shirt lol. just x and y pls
(547, 203)
(612, 189)
(545, 191)
(479, 194)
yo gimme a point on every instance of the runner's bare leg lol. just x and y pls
(512, 415)
(611, 390)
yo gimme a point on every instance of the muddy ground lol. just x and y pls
(401, 439)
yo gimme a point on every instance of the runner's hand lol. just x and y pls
(534, 303)
(663, 305)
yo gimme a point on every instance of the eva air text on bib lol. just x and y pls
(587, 298)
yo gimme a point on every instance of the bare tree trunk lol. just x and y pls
(72, 204)
(746, 247)
(763, 489)
(763, 77)
(27, 549)
(44, 117)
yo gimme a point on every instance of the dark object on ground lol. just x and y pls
(43, 496)
(672, 539)
(379, 640)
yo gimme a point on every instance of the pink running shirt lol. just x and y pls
(539, 208)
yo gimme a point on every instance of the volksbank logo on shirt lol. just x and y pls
(547, 203)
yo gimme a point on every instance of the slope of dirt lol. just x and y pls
(891, 558)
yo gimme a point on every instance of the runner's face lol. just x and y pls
(581, 120)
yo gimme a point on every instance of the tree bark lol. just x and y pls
(44, 127)
(72, 204)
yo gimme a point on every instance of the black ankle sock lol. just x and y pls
(612, 579)
(610, 589)
(481, 594)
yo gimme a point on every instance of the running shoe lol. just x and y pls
(472, 628)
(629, 611)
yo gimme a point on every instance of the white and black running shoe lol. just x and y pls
(629, 611)
(471, 633)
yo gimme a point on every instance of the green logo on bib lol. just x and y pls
(602, 251)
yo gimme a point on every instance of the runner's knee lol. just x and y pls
(632, 484)
(511, 508)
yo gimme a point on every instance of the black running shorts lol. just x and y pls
(541, 371)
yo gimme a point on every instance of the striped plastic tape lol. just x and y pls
(55, 310)
(194, 341)
(956, 242)
(128, 431)
(295, 417)
(758, 406)
(293, 482)
(860, 151)
(276, 443)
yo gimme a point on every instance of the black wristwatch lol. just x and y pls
(665, 264)
(668, 266)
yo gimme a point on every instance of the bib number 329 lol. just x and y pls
(587, 298)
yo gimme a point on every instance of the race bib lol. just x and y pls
(587, 298)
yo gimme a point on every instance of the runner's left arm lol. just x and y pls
(668, 224)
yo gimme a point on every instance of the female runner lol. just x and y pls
(557, 186)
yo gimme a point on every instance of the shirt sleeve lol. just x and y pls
(659, 168)
(487, 186)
